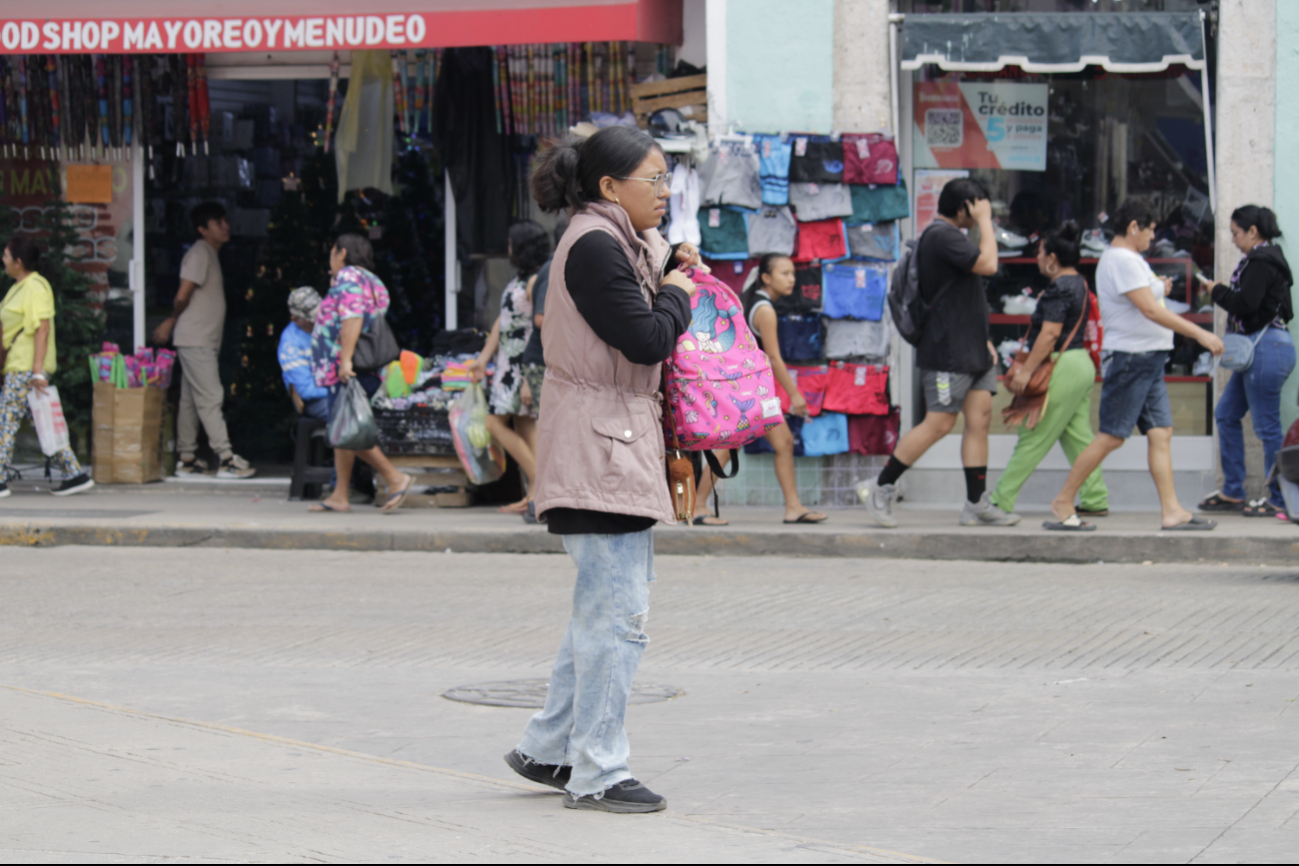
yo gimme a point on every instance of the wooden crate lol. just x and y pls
(430, 471)
(689, 95)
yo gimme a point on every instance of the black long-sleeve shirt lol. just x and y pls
(1261, 295)
(605, 291)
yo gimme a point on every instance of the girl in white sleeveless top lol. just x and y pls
(775, 280)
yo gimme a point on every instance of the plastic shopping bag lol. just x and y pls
(47, 418)
(483, 461)
(352, 426)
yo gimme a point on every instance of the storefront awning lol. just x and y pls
(151, 26)
(1054, 42)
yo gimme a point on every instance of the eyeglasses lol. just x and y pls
(662, 182)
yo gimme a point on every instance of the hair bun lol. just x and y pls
(1069, 231)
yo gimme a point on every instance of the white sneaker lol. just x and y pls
(191, 467)
(984, 513)
(878, 499)
(235, 467)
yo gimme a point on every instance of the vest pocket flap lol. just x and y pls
(622, 428)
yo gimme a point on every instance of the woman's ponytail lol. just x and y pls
(554, 180)
(1252, 216)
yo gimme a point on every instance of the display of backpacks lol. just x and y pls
(719, 388)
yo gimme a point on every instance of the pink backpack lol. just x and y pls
(720, 388)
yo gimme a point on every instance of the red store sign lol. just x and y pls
(644, 20)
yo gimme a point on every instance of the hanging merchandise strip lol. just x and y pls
(20, 85)
(333, 96)
(5, 100)
(144, 88)
(398, 92)
(204, 114)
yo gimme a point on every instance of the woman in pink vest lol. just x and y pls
(614, 311)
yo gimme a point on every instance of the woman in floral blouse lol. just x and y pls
(529, 248)
(356, 299)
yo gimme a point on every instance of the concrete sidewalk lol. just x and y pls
(257, 515)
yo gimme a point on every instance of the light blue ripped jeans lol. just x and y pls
(582, 722)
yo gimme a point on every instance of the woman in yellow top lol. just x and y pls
(28, 355)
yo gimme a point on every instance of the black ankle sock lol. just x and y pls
(976, 482)
(892, 472)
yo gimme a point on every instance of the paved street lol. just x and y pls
(210, 704)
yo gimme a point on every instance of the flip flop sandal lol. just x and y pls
(1260, 508)
(324, 507)
(1195, 524)
(1215, 502)
(1072, 523)
(394, 501)
(1100, 512)
(806, 517)
(700, 521)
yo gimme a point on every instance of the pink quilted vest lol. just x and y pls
(720, 387)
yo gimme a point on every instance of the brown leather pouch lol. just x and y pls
(681, 483)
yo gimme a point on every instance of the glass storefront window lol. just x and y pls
(1108, 136)
(928, 6)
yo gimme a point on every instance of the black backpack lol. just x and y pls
(908, 307)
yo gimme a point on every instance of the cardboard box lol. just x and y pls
(452, 485)
(127, 446)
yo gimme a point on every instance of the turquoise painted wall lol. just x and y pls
(1287, 169)
(780, 65)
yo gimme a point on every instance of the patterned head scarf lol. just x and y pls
(303, 302)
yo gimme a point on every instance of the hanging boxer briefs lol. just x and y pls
(725, 270)
(825, 240)
(762, 446)
(848, 338)
(724, 234)
(820, 201)
(878, 241)
(772, 230)
(869, 158)
(730, 176)
(825, 434)
(816, 159)
(854, 290)
(773, 167)
(877, 204)
(857, 389)
(811, 382)
(874, 435)
(799, 336)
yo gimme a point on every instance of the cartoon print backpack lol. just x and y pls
(719, 386)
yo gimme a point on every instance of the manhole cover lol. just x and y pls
(532, 693)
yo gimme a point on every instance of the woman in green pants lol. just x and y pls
(1067, 418)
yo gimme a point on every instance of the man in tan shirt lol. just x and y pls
(196, 329)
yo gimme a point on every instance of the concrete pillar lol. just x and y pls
(1287, 170)
(1245, 129)
(861, 66)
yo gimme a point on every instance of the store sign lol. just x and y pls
(975, 124)
(143, 35)
(481, 22)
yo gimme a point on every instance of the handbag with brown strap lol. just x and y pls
(1029, 405)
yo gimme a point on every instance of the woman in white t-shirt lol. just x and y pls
(1138, 337)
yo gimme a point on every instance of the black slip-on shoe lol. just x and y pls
(628, 796)
(4, 490)
(534, 771)
(74, 485)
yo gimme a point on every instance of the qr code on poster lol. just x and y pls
(943, 127)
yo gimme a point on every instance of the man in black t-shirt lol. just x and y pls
(956, 361)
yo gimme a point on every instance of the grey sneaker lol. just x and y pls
(628, 796)
(235, 466)
(878, 499)
(984, 513)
